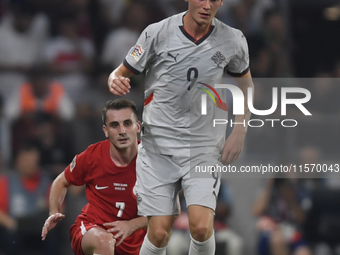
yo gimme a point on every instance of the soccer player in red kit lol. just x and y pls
(108, 224)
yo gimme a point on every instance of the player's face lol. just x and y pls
(121, 128)
(28, 162)
(203, 11)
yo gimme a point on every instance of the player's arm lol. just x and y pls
(125, 228)
(262, 201)
(234, 144)
(7, 221)
(244, 82)
(57, 197)
(292, 201)
(119, 82)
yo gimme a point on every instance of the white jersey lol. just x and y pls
(176, 65)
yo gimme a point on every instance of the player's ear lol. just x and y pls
(105, 131)
(221, 3)
(138, 126)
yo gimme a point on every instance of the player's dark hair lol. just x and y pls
(26, 146)
(119, 104)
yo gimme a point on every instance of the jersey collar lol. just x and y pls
(194, 40)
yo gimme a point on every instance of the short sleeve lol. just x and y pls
(239, 64)
(140, 54)
(75, 172)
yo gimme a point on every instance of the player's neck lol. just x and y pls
(123, 157)
(193, 28)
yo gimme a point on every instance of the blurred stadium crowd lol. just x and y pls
(55, 58)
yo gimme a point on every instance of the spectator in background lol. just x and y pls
(23, 32)
(40, 94)
(280, 219)
(228, 242)
(245, 14)
(312, 181)
(69, 56)
(325, 108)
(322, 224)
(171, 7)
(120, 40)
(3, 6)
(272, 47)
(4, 134)
(24, 205)
(54, 144)
(154, 8)
(325, 91)
(112, 11)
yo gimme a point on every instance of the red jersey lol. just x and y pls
(109, 190)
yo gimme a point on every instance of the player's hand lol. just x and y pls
(233, 147)
(50, 223)
(118, 86)
(122, 229)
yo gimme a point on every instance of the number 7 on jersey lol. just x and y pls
(121, 206)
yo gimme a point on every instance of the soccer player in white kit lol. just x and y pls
(179, 54)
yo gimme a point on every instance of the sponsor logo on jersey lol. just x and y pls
(146, 35)
(137, 52)
(73, 163)
(120, 186)
(172, 56)
(219, 59)
(99, 188)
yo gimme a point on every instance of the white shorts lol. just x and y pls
(160, 178)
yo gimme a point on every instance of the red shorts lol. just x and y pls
(130, 246)
(77, 231)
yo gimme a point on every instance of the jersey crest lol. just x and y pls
(219, 59)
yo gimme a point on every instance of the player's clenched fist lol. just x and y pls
(50, 223)
(118, 82)
(118, 85)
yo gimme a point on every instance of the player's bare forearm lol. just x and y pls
(244, 82)
(262, 201)
(128, 226)
(58, 193)
(138, 223)
(125, 228)
(57, 196)
(119, 82)
(7, 221)
(298, 212)
(233, 146)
